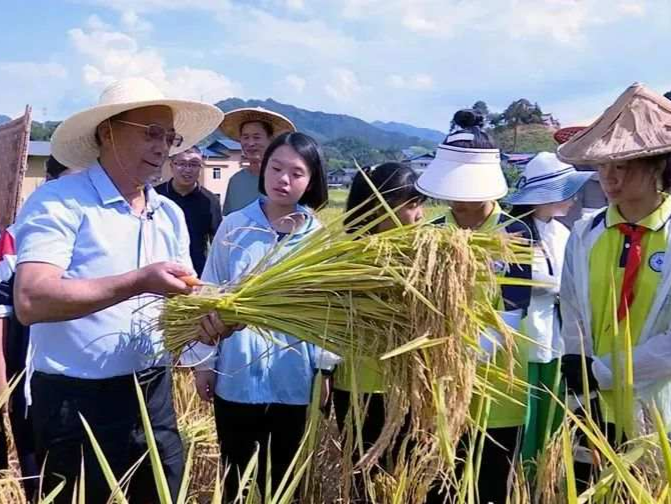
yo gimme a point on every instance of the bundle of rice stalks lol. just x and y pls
(416, 297)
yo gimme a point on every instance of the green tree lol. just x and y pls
(481, 108)
(522, 112)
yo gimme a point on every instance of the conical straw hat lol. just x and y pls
(637, 125)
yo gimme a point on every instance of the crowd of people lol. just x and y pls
(92, 249)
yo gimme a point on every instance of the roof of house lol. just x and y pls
(221, 146)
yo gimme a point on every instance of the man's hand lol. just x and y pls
(212, 329)
(163, 278)
(205, 382)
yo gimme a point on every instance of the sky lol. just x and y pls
(392, 60)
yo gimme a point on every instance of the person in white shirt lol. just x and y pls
(545, 191)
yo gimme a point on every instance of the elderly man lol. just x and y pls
(200, 206)
(95, 251)
(254, 128)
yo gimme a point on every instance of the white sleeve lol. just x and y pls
(573, 325)
(651, 362)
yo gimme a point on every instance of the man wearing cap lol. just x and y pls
(201, 207)
(616, 279)
(254, 128)
(96, 251)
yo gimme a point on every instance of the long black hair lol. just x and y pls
(316, 195)
(394, 181)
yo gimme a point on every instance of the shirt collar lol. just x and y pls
(490, 222)
(109, 193)
(654, 221)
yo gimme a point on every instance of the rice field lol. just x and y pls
(434, 379)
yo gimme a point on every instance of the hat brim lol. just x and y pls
(554, 191)
(234, 120)
(74, 144)
(462, 182)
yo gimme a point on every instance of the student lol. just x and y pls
(617, 275)
(262, 388)
(545, 192)
(467, 174)
(396, 184)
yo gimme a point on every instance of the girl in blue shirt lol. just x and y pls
(261, 388)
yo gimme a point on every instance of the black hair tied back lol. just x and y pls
(468, 118)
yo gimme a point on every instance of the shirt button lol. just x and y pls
(626, 245)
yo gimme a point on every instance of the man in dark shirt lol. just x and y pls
(201, 207)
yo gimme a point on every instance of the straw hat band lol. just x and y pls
(523, 182)
(461, 155)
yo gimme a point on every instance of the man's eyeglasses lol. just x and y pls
(183, 165)
(157, 132)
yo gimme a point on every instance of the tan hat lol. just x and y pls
(74, 144)
(637, 125)
(236, 118)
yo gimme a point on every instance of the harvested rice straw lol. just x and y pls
(413, 295)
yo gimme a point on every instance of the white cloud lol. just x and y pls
(417, 82)
(635, 8)
(343, 85)
(133, 23)
(295, 82)
(111, 55)
(295, 4)
(259, 36)
(30, 70)
(32, 83)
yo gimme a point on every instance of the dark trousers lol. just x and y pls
(244, 427)
(373, 412)
(500, 453)
(111, 408)
(373, 416)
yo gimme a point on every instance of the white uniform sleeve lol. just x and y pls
(651, 363)
(573, 325)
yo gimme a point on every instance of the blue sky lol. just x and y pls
(411, 61)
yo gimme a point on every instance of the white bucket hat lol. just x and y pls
(74, 144)
(464, 174)
(547, 180)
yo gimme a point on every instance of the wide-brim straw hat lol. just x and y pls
(464, 174)
(236, 118)
(637, 125)
(74, 144)
(547, 180)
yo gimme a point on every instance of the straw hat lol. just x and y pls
(463, 174)
(236, 118)
(637, 125)
(74, 145)
(547, 180)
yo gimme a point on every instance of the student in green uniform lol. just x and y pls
(616, 272)
(467, 174)
(396, 183)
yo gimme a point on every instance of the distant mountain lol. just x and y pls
(4, 119)
(325, 127)
(430, 135)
